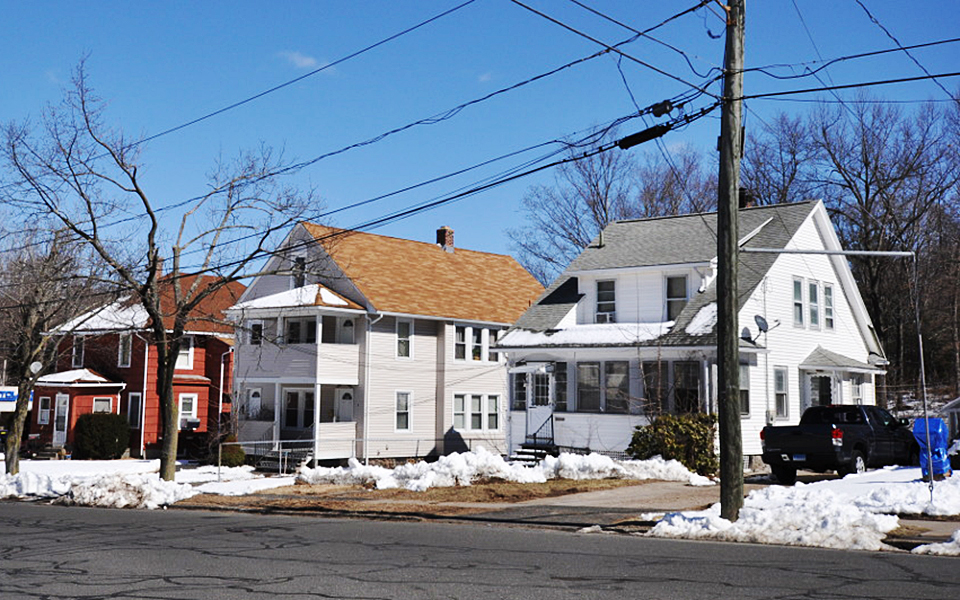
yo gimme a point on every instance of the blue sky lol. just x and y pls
(160, 64)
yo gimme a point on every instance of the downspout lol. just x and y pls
(366, 386)
(220, 411)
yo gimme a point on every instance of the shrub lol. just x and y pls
(101, 436)
(686, 438)
(232, 456)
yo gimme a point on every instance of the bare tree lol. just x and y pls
(560, 220)
(86, 176)
(42, 285)
(778, 163)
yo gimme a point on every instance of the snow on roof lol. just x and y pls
(704, 321)
(74, 376)
(308, 295)
(603, 334)
(121, 314)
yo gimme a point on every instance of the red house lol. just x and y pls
(108, 364)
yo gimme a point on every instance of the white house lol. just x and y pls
(628, 331)
(377, 347)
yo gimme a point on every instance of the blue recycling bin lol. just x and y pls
(936, 460)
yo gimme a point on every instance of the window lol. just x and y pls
(133, 409)
(404, 339)
(606, 301)
(828, 306)
(654, 376)
(256, 332)
(588, 387)
(744, 389)
(460, 343)
(856, 388)
(676, 296)
(492, 335)
(185, 355)
(813, 299)
(301, 331)
(519, 391)
(493, 412)
(798, 303)
(188, 407)
(77, 356)
(560, 386)
(686, 387)
(299, 271)
(617, 386)
(476, 412)
(43, 417)
(541, 389)
(125, 350)
(298, 410)
(102, 405)
(476, 346)
(403, 411)
(780, 391)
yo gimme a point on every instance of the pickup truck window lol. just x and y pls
(832, 415)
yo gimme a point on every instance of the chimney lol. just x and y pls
(746, 198)
(445, 238)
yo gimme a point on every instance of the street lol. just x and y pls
(72, 552)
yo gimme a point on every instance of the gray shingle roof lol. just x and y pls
(825, 359)
(668, 241)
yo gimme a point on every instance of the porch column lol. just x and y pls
(278, 407)
(316, 423)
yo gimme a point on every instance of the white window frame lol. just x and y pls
(101, 399)
(189, 415)
(79, 342)
(467, 411)
(785, 392)
(492, 411)
(409, 339)
(491, 354)
(813, 305)
(605, 316)
(305, 407)
(744, 387)
(397, 412)
(134, 422)
(124, 358)
(459, 345)
(476, 344)
(302, 334)
(856, 388)
(254, 338)
(43, 414)
(668, 299)
(185, 361)
(798, 303)
(461, 412)
(828, 310)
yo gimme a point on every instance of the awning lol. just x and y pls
(822, 359)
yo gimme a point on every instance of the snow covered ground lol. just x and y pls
(855, 512)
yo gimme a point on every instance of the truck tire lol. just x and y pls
(784, 475)
(857, 464)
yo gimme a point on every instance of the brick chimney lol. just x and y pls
(445, 238)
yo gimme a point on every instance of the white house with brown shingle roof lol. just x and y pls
(376, 347)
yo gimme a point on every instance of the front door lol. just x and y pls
(60, 418)
(539, 408)
(343, 410)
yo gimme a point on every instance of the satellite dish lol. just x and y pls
(761, 323)
(36, 367)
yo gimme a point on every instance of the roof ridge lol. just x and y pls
(400, 239)
(713, 213)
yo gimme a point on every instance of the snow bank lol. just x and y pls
(949, 548)
(789, 516)
(600, 334)
(468, 467)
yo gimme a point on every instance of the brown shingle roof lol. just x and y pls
(208, 316)
(419, 278)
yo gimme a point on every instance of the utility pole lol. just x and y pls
(728, 343)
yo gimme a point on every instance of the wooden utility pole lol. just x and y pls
(728, 343)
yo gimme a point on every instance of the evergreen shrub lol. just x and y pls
(686, 438)
(232, 456)
(101, 436)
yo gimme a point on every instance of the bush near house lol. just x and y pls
(686, 438)
(101, 436)
(232, 456)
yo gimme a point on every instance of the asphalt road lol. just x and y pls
(70, 552)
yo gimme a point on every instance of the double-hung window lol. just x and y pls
(125, 350)
(588, 387)
(404, 339)
(476, 412)
(133, 409)
(403, 411)
(185, 355)
(492, 335)
(102, 405)
(606, 301)
(460, 343)
(780, 391)
(744, 390)
(856, 388)
(188, 407)
(560, 387)
(676, 296)
(798, 302)
(654, 375)
(493, 412)
(476, 346)
(616, 386)
(77, 357)
(686, 386)
(256, 332)
(300, 331)
(827, 306)
(43, 417)
(813, 299)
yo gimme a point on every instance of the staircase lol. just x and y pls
(534, 453)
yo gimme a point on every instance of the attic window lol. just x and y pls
(607, 301)
(299, 271)
(676, 296)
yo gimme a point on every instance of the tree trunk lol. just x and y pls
(15, 434)
(170, 428)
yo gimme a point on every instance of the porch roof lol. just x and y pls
(76, 378)
(823, 359)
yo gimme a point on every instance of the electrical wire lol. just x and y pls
(849, 86)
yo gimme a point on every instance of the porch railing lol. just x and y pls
(542, 436)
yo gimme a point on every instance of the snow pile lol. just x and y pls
(468, 467)
(913, 497)
(949, 548)
(128, 490)
(597, 466)
(601, 334)
(801, 516)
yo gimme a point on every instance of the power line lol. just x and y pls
(849, 86)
